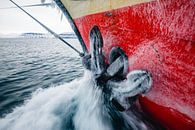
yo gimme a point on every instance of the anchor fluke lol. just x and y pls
(120, 89)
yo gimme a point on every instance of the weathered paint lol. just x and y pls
(79, 8)
(158, 36)
(170, 118)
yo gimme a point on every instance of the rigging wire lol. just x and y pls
(33, 5)
(49, 30)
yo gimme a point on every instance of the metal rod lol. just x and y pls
(49, 30)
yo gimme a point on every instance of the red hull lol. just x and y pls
(159, 37)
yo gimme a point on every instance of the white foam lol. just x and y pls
(48, 107)
(79, 102)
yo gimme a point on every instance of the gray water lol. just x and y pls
(28, 64)
(43, 86)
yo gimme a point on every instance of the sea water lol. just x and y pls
(27, 64)
(43, 86)
(53, 108)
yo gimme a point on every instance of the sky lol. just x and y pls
(15, 21)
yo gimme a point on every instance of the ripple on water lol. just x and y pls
(29, 64)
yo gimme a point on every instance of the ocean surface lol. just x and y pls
(27, 64)
(43, 86)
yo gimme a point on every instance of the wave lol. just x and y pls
(78, 105)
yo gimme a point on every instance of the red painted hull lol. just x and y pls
(159, 37)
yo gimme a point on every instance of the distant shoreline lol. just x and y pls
(70, 35)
